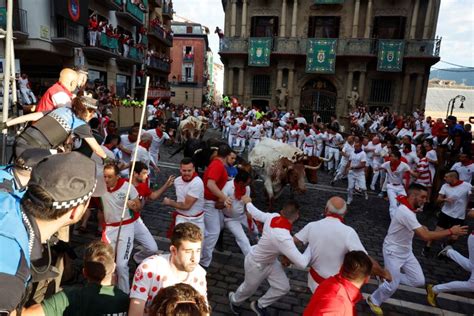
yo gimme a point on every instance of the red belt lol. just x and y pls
(316, 277)
(308, 145)
(173, 221)
(125, 222)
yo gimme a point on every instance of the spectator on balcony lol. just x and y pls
(219, 32)
(125, 40)
(93, 27)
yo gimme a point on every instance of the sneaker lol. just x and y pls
(372, 187)
(431, 295)
(377, 310)
(366, 195)
(257, 309)
(234, 308)
(444, 251)
(349, 201)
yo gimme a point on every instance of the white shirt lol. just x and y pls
(155, 273)
(426, 127)
(151, 110)
(369, 150)
(465, 172)
(377, 158)
(347, 150)
(279, 132)
(23, 83)
(395, 177)
(238, 208)
(157, 142)
(334, 140)
(193, 188)
(399, 239)
(143, 155)
(113, 203)
(411, 158)
(329, 240)
(460, 196)
(275, 242)
(356, 160)
(125, 142)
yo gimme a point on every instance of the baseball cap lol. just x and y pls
(69, 178)
(31, 157)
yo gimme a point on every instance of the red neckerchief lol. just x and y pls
(406, 150)
(145, 145)
(195, 174)
(456, 183)
(240, 190)
(130, 140)
(119, 184)
(402, 199)
(467, 163)
(109, 146)
(159, 132)
(353, 292)
(394, 166)
(339, 217)
(281, 222)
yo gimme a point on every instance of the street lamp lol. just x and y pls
(452, 102)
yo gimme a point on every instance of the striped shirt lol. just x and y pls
(424, 173)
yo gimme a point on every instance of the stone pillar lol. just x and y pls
(243, 31)
(233, 17)
(283, 19)
(350, 76)
(355, 21)
(428, 16)
(230, 87)
(240, 91)
(405, 90)
(279, 78)
(418, 90)
(414, 19)
(291, 84)
(361, 87)
(368, 19)
(293, 18)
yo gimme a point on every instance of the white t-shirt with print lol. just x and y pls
(113, 203)
(195, 189)
(459, 195)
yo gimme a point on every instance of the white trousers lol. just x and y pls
(268, 133)
(124, 250)
(196, 220)
(392, 192)
(355, 178)
(240, 144)
(341, 168)
(92, 38)
(333, 155)
(236, 226)
(403, 270)
(255, 274)
(143, 236)
(253, 142)
(126, 49)
(214, 222)
(308, 150)
(28, 96)
(466, 264)
(232, 140)
(376, 175)
(319, 149)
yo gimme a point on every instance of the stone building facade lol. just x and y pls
(359, 29)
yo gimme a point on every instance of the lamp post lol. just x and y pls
(452, 102)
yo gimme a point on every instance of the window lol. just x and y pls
(323, 26)
(389, 27)
(264, 26)
(261, 85)
(188, 53)
(381, 91)
(189, 29)
(123, 85)
(188, 74)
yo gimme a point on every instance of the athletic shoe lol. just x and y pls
(372, 187)
(366, 195)
(349, 201)
(257, 309)
(377, 310)
(234, 308)
(444, 251)
(431, 295)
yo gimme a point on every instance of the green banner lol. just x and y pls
(390, 57)
(259, 51)
(328, 1)
(3, 18)
(321, 55)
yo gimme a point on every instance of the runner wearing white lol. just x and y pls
(356, 175)
(377, 161)
(242, 135)
(268, 128)
(159, 137)
(233, 129)
(465, 171)
(256, 133)
(279, 133)
(293, 137)
(346, 152)
(394, 183)
(262, 261)
(332, 149)
(319, 142)
(309, 142)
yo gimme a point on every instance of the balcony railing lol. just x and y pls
(68, 33)
(160, 33)
(20, 20)
(345, 47)
(135, 53)
(167, 10)
(188, 58)
(158, 64)
(187, 79)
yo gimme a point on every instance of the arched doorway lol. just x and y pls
(261, 104)
(318, 95)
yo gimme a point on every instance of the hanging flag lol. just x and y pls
(260, 49)
(390, 57)
(321, 55)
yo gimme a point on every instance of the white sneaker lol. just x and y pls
(366, 195)
(444, 251)
(349, 201)
(372, 187)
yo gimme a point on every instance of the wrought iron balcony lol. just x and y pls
(423, 48)
(68, 33)
(233, 45)
(159, 33)
(132, 13)
(20, 23)
(167, 10)
(158, 64)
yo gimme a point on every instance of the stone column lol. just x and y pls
(355, 21)
(428, 15)
(350, 76)
(418, 90)
(283, 19)
(233, 17)
(414, 19)
(240, 91)
(279, 78)
(243, 31)
(230, 87)
(405, 90)
(368, 19)
(291, 83)
(293, 18)
(361, 87)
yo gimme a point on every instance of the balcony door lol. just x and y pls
(323, 26)
(264, 26)
(389, 27)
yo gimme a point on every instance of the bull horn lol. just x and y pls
(197, 150)
(312, 167)
(324, 159)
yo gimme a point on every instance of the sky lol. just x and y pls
(455, 26)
